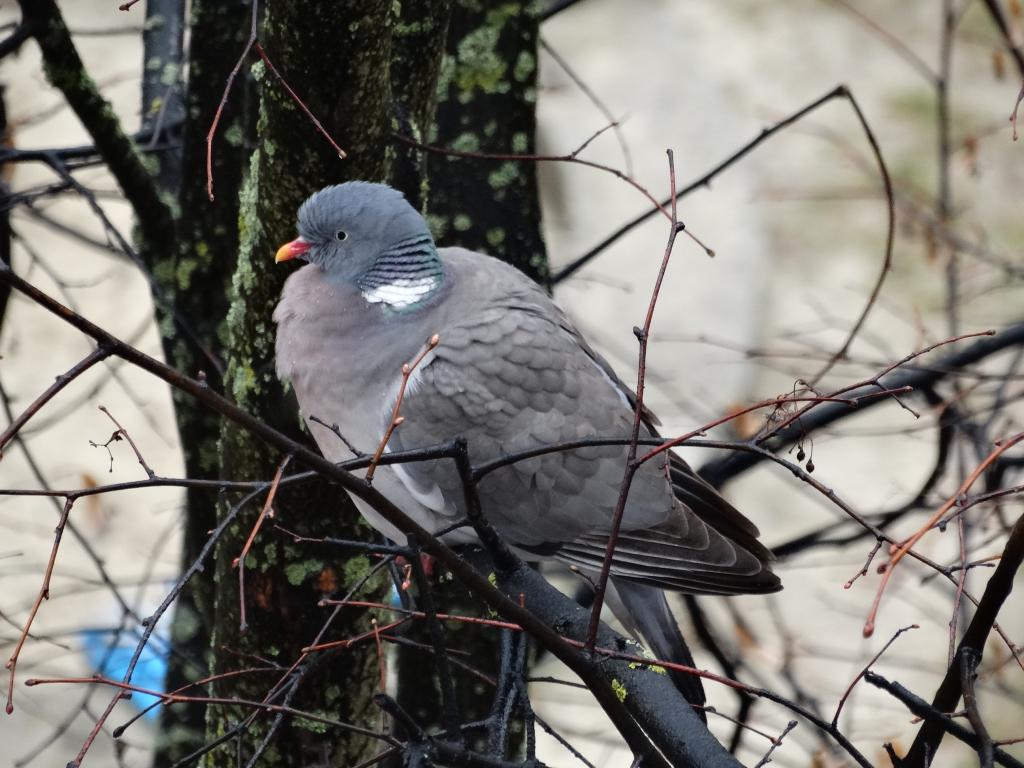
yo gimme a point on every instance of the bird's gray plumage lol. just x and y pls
(511, 373)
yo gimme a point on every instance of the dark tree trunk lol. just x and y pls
(199, 279)
(415, 66)
(487, 98)
(163, 103)
(5, 214)
(486, 103)
(341, 67)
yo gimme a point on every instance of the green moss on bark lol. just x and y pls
(490, 68)
(342, 73)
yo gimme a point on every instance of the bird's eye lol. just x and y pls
(341, 235)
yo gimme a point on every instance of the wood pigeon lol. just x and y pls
(510, 373)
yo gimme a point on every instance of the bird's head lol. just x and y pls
(345, 228)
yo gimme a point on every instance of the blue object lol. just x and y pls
(112, 662)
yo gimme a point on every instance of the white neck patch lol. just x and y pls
(402, 292)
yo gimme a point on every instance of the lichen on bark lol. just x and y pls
(486, 95)
(340, 67)
(488, 71)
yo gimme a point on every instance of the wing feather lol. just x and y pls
(514, 375)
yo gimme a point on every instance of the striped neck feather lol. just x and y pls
(404, 275)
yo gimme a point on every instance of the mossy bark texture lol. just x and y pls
(338, 62)
(367, 69)
(198, 278)
(486, 98)
(418, 50)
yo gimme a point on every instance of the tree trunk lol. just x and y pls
(487, 99)
(486, 103)
(199, 279)
(418, 48)
(339, 64)
(5, 214)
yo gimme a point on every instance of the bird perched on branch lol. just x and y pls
(510, 373)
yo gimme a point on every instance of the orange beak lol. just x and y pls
(291, 250)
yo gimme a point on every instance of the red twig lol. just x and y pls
(898, 552)
(224, 97)
(295, 97)
(396, 419)
(381, 666)
(240, 560)
(572, 157)
(643, 335)
(44, 594)
(253, 44)
(875, 380)
(350, 641)
(119, 730)
(776, 402)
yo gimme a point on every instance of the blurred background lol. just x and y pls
(798, 228)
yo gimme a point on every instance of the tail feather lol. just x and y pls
(644, 611)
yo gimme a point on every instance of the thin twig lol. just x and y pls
(44, 594)
(874, 659)
(301, 104)
(898, 552)
(1016, 109)
(901, 49)
(775, 744)
(643, 336)
(135, 449)
(396, 419)
(102, 352)
(587, 91)
(253, 29)
(239, 561)
(890, 235)
(337, 433)
(703, 181)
